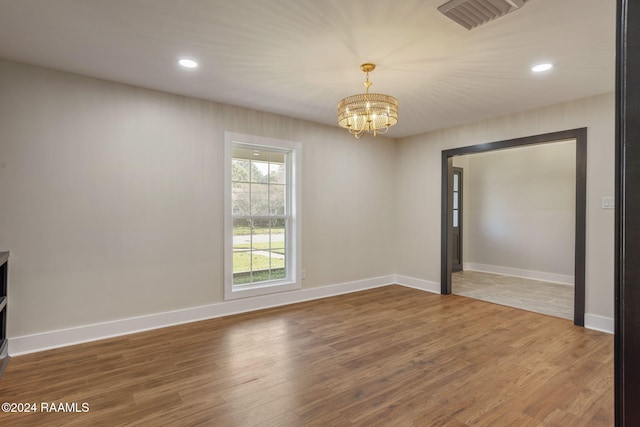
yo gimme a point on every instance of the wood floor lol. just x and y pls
(391, 356)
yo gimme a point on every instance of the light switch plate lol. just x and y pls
(608, 202)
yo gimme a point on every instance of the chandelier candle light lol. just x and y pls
(373, 113)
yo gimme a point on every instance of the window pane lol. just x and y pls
(240, 198)
(277, 173)
(259, 199)
(261, 256)
(241, 233)
(260, 246)
(279, 272)
(277, 199)
(261, 229)
(278, 249)
(277, 265)
(241, 251)
(455, 181)
(278, 237)
(456, 195)
(240, 170)
(455, 218)
(261, 267)
(259, 171)
(241, 275)
(241, 261)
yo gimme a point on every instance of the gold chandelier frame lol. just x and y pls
(372, 113)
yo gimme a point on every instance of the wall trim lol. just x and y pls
(599, 323)
(516, 272)
(82, 334)
(421, 284)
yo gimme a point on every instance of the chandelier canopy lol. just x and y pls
(372, 113)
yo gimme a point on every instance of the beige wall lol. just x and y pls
(112, 199)
(519, 208)
(419, 176)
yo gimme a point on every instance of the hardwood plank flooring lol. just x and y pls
(391, 356)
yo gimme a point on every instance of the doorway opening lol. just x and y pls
(449, 245)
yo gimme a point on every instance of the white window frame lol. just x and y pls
(293, 244)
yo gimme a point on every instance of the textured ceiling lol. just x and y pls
(300, 57)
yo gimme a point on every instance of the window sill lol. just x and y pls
(246, 291)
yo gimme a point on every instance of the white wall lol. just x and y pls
(419, 177)
(519, 209)
(112, 199)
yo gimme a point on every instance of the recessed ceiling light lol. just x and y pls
(188, 63)
(541, 67)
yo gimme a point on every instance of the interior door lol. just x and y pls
(456, 212)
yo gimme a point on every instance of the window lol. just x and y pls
(262, 224)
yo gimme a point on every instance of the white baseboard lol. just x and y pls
(599, 323)
(81, 334)
(66, 337)
(412, 282)
(516, 272)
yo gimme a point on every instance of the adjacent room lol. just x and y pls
(516, 219)
(230, 213)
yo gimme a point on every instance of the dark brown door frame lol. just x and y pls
(627, 257)
(580, 135)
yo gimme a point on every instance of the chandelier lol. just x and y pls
(372, 113)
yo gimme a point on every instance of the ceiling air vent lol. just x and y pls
(471, 13)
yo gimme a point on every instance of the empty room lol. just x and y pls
(241, 213)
